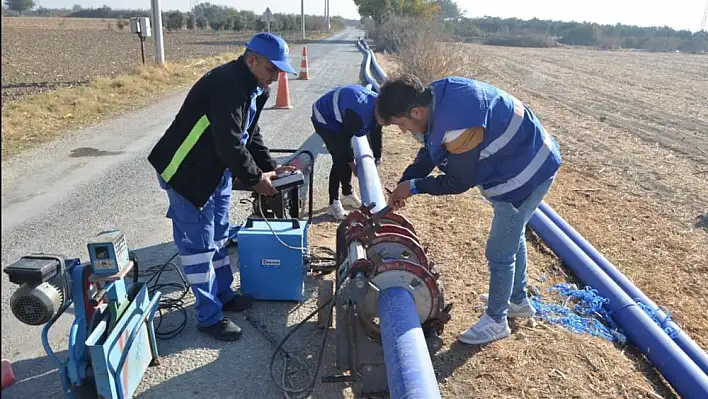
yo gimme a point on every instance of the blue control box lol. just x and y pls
(271, 258)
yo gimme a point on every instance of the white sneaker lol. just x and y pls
(351, 200)
(524, 309)
(484, 331)
(336, 210)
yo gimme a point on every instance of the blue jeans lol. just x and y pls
(506, 252)
(201, 236)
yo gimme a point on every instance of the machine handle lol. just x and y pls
(96, 298)
(249, 222)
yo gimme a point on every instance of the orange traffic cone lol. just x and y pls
(283, 98)
(304, 69)
(8, 376)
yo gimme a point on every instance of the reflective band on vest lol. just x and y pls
(186, 146)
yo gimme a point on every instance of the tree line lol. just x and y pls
(201, 16)
(534, 32)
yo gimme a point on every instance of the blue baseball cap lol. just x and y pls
(272, 47)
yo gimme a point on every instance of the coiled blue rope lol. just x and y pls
(590, 315)
(670, 331)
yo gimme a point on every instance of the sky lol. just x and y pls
(678, 14)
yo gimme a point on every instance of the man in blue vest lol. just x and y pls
(213, 140)
(478, 135)
(337, 116)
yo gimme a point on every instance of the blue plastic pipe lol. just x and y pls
(675, 365)
(408, 367)
(683, 340)
(367, 63)
(369, 181)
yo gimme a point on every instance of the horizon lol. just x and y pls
(680, 15)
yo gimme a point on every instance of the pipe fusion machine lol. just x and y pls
(112, 339)
(389, 301)
(388, 298)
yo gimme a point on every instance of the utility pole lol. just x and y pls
(302, 16)
(157, 19)
(327, 16)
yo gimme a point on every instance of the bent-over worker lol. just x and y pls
(478, 135)
(213, 140)
(337, 116)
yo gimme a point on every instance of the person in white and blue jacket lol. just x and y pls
(337, 116)
(478, 135)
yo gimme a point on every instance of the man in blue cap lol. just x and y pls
(213, 140)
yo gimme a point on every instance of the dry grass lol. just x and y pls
(639, 203)
(42, 117)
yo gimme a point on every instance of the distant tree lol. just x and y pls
(449, 9)
(190, 21)
(174, 20)
(379, 10)
(582, 35)
(76, 7)
(237, 22)
(201, 22)
(19, 5)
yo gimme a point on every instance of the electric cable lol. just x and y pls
(154, 273)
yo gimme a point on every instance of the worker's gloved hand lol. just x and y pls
(264, 186)
(352, 165)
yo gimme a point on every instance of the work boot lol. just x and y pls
(351, 200)
(222, 330)
(238, 303)
(336, 210)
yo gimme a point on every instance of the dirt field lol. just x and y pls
(39, 54)
(634, 141)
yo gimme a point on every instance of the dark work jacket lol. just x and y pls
(207, 135)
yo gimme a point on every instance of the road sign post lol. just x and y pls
(267, 18)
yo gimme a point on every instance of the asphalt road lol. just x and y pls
(56, 197)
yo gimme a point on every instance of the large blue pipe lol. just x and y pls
(408, 367)
(684, 341)
(678, 369)
(369, 182)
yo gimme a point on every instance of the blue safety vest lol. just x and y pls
(330, 109)
(516, 152)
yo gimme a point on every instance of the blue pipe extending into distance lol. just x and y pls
(675, 365)
(683, 340)
(408, 367)
(369, 181)
(367, 62)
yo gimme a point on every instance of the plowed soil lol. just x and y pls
(40, 54)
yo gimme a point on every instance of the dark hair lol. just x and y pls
(398, 96)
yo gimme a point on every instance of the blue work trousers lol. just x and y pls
(201, 237)
(506, 252)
